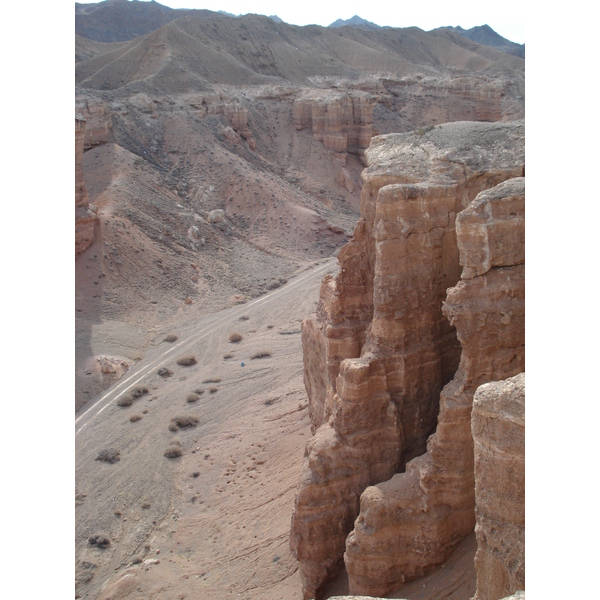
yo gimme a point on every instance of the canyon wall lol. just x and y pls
(498, 426)
(417, 518)
(379, 349)
(85, 216)
(342, 121)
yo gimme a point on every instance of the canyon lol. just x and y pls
(223, 166)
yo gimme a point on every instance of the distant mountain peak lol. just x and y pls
(355, 21)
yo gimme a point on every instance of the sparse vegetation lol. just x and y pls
(227, 356)
(192, 398)
(134, 418)
(100, 541)
(109, 455)
(186, 361)
(199, 392)
(171, 338)
(213, 389)
(183, 422)
(127, 399)
(212, 380)
(173, 452)
(196, 474)
(235, 337)
(244, 318)
(261, 354)
(164, 372)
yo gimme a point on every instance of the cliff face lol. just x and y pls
(379, 351)
(342, 121)
(498, 426)
(417, 518)
(85, 218)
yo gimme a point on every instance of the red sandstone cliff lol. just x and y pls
(498, 426)
(380, 349)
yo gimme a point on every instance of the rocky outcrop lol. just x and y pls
(498, 426)
(98, 121)
(342, 121)
(85, 216)
(379, 349)
(417, 518)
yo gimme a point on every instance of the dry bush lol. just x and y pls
(134, 418)
(99, 540)
(227, 356)
(192, 398)
(244, 318)
(109, 455)
(171, 338)
(235, 337)
(173, 452)
(173, 427)
(212, 380)
(186, 361)
(213, 389)
(261, 354)
(164, 372)
(199, 392)
(127, 399)
(184, 422)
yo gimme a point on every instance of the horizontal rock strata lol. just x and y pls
(342, 121)
(498, 426)
(417, 518)
(379, 349)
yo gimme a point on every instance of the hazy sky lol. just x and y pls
(505, 17)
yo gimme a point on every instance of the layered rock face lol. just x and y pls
(417, 518)
(98, 121)
(85, 218)
(498, 426)
(342, 121)
(379, 349)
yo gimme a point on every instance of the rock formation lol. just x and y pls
(498, 426)
(379, 351)
(417, 518)
(85, 216)
(343, 121)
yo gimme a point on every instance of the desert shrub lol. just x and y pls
(138, 392)
(164, 372)
(146, 505)
(196, 474)
(213, 389)
(99, 540)
(171, 338)
(192, 398)
(261, 354)
(186, 361)
(173, 452)
(125, 400)
(134, 418)
(212, 380)
(109, 455)
(199, 392)
(173, 426)
(227, 356)
(184, 422)
(235, 337)
(244, 318)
